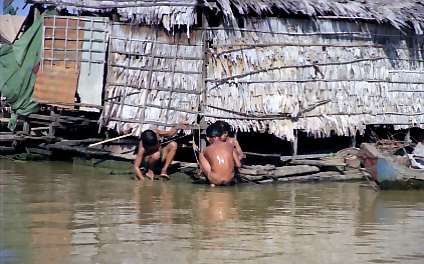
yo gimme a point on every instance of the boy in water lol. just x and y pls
(151, 153)
(226, 138)
(218, 160)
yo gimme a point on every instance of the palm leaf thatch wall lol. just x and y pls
(280, 75)
(154, 79)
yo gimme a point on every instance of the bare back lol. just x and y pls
(220, 156)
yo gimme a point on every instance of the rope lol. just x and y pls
(194, 145)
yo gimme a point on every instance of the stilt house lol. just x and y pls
(278, 67)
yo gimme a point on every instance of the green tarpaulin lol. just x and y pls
(16, 77)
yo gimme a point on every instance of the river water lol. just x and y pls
(57, 212)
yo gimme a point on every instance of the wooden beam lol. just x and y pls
(68, 104)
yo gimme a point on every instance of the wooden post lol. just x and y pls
(353, 141)
(408, 136)
(295, 142)
(174, 65)
(27, 126)
(150, 75)
(202, 143)
(203, 87)
(52, 124)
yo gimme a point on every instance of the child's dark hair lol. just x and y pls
(225, 126)
(149, 138)
(214, 130)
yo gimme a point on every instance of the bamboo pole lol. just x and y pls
(68, 104)
(156, 106)
(109, 140)
(256, 45)
(149, 77)
(174, 65)
(154, 70)
(329, 81)
(226, 79)
(294, 66)
(158, 56)
(143, 88)
(151, 40)
(367, 35)
(281, 117)
(157, 123)
(127, 78)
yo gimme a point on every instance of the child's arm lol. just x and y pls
(204, 164)
(169, 133)
(238, 148)
(237, 162)
(138, 160)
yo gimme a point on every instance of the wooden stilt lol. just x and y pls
(353, 141)
(202, 89)
(295, 142)
(52, 128)
(408, 136)
(27, 126)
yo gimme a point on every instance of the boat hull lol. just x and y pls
(388, 173)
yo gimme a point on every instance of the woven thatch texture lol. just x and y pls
(153, 79)
(399, 13)
(169, 13)
(280, 75)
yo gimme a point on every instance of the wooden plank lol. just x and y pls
(294, 170)
(7, 137)
(322, 176)
(39, 151)
(308, 156)
(60, 103)
(319, 163)
(253, 177)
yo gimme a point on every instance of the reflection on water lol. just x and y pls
(55, 212)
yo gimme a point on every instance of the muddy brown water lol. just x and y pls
(57, 212)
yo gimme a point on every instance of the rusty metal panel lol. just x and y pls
(56, 85)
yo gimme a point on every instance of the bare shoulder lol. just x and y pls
(140, 148)
(208, 149)
(225, 146)
(231, 140)
(228, 143)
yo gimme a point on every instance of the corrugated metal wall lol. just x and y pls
(278, 75)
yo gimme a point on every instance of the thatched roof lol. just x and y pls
(169, 13)
(399, 13)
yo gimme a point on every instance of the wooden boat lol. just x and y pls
(387, 172)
